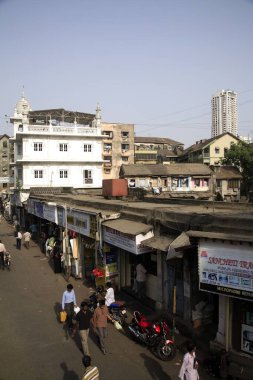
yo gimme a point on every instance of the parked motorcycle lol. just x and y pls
(7, 260)
(94, 298)
(154, 335)
(118, 312)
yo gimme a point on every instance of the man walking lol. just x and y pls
(27, 238)
(18, 240)
(141, 274)
(2, 254)
(99, 322)
(68, 304)
(83, 319)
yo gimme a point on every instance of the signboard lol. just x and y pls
(130, 243)
(78, 222)
(226, 268)
(50, 213)
(30, 206)
(38, 209)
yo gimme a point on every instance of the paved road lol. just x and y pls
(34, 345)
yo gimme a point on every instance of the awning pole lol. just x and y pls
(174, 310)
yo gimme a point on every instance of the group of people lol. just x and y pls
(84, 320)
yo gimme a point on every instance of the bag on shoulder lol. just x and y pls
(63, 316)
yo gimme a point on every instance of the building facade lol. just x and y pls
(56, 148)
(6, 157)
(118, 147)
(224, 113)
(147, 149)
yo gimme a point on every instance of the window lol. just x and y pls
(37, 147)
(4, 144)
(124, 159)
(87, 148)
(225, 151)
(38, 173)
(87, 176)
(124, 135)
(63, 147)
(217, 150)
(19, 149)
(233, 184)
(124, 147)
(63, 174)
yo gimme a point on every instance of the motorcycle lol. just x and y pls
(7, 260)
(118, 312)
(94, 297)
(154, 335)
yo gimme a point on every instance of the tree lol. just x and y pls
(241, 155)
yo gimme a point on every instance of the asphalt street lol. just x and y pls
(35, 346)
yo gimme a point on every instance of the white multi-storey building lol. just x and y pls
(56, 148)
(224, 113)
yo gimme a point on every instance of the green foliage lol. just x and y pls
(241, 155)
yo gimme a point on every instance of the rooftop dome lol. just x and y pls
(22, 107)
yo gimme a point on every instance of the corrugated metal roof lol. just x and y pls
(128, 226)
(156, 140)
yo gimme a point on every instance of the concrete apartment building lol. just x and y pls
(224, 113)
(147, 149)
(6, 157)
(118, 147)
(56, 148)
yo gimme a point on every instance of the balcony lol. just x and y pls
(63, 129)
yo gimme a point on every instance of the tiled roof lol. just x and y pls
(225, 172)
(156, 140)
(165, 170)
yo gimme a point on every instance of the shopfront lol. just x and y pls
(226, 269)
(125, 241)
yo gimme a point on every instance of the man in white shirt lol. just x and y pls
(141, 274)
(68, 304)
(109, 297)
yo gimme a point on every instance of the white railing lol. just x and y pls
(61, 129)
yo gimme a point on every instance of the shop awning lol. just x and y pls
(219, 235)
(128, 226)
(160, 243)
(176, 248)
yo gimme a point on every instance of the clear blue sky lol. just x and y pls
(154, 63)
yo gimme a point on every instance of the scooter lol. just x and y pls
(154, 335)
(94, 297)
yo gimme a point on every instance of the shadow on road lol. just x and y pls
(69, 374)
(154, 368)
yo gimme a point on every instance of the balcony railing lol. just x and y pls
(64, 129)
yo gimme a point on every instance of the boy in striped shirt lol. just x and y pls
(91, 373)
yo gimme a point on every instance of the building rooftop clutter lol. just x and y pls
(59, 115)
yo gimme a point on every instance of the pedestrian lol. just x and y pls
(68, 304)
(27, 238)
(56, 253)
(189, 368)
(83, 318)
(99, 323)
(18, 240)
(2, 254)
(109, 297)
(141, 274)
(91, 373)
